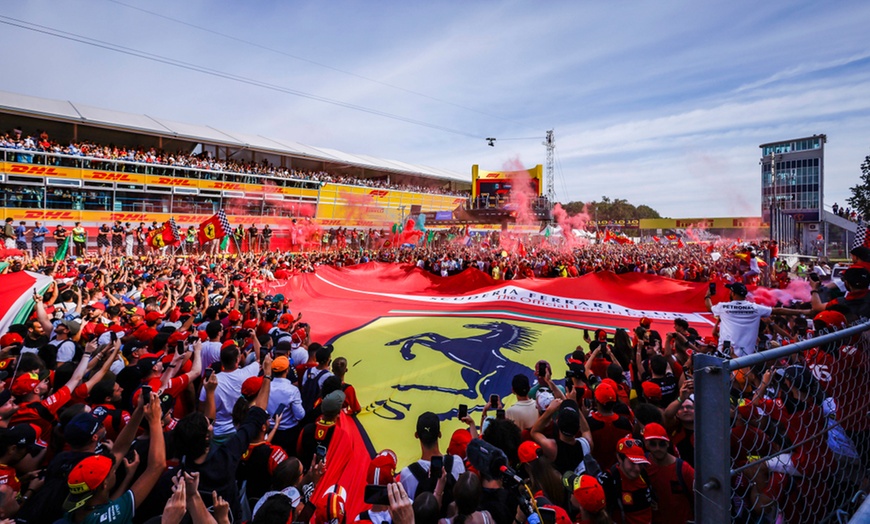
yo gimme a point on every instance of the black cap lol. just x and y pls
(857, 277)
(862, 253)
(569, 418)
(22, 435)
(83, 426)
(428, 426)
(738, 288)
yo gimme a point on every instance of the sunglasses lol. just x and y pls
(628, 444)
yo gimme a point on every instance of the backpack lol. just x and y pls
(427, 484)
(689, 493)
(48, 353)
(310, 390)
(589, 466)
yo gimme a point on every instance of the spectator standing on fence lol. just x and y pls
(739, 319)
(21, 236)
(37, 245)
(80, 239)
(857, 298)
(9, 234)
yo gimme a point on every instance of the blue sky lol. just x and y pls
(662, 103)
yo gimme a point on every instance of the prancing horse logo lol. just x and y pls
(480, 356)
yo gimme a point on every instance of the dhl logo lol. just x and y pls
(119, 177)
(34, 170)
(227, 185)
(379, 192)
(130, 217)
(694, 223)
(50, 215)
(331, 222)
(494, 175)
(458, 200)
(167, 181)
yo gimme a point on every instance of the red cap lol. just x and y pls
(381, 470)
(651, 390)
(632, 449)
(654, 430)
(99, 305)
(235, 315)
(604, 393)
(645, 322)
(285, 320)
(203, 336)
(251, 386)
(459, 442)
(589, 493)
(153, 316)
(228, 343)
(84, 478)
(529, 451)
(10, 338)
(834, 319)
(250, 324)
(331, 506)
(25, 383)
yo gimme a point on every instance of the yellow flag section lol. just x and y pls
(405, 366)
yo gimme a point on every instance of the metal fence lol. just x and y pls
(783, 435)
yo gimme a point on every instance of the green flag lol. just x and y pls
(61, 252)
(225, 242)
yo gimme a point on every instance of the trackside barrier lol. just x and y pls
(783, 435)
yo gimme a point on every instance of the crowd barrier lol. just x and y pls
(798, 450)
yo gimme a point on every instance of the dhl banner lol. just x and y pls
(703, 223)
(417, 342)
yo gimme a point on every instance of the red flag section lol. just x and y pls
(418, 342)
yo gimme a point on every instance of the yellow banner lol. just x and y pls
(702, 223)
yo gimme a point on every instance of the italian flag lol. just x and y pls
(16, 296)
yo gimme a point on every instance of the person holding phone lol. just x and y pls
(285, 393)
(416, 477)
(524, 412)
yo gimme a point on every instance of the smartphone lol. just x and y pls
(113, 336)
(281, 408)
(499, 414)
(569, 384)
(208, 373)
(146, 392)
(320, 451)
(542, 369)
(463, 411)
(493, 401)
(179, 347)
(548, 515)
(374, 494)
(712, 288)
(436, 465)
(191, 339)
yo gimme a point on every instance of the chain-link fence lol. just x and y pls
(783, 435)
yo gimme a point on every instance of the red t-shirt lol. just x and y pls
(32, 412)
(606, 432)
(674, 506)
(9, 476)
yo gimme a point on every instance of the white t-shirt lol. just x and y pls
(227, 393)
(211, 353)
(739, 324)
(409, 481)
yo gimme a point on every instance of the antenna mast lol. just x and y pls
(550, 144)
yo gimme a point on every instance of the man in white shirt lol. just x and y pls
(211, 350)
(739, 319)
(428, 433)
(524, 412)
(228, 390)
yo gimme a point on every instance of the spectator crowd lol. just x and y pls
(98, 156)
(156, 388)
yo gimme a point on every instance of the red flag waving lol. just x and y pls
(214, 228)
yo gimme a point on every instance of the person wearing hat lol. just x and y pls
(567, 450)
(92, 480)
(262, 457)
(857, 298)
(590, 496)
(626, 484)
(415, 477)
(606, 427)
(61, 348)
(284, 392)
(739, 319)
(380, 473)
(16, 443)
(320, 431)
(672, 479)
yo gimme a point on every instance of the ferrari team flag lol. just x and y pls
(215, 227)
(165, 235)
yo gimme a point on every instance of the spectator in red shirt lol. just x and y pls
(672, 479)
(629, 496)
(605, 426)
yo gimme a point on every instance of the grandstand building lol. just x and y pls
(63, 162)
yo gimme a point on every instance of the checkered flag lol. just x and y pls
(225, 224)
(176, 231)
(861, 237)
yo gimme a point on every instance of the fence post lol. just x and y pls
(712, 440)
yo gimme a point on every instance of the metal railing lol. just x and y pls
(784, 433)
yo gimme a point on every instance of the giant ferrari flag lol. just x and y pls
(215, 227)
(417, 342)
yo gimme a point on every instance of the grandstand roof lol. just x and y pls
(95, 116)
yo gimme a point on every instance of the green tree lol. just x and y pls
(860, 199)
(611, 209)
